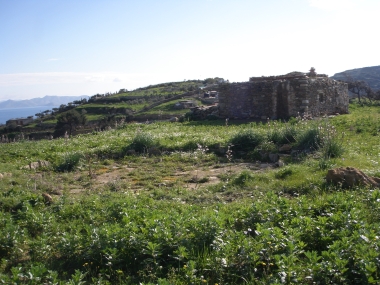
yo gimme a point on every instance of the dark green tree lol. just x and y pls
(68, 121)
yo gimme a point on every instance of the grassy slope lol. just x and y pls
(276, 226)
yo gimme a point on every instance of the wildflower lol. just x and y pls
(85, 264)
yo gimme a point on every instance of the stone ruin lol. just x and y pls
(281, 97)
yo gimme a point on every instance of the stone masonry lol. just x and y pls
(282, 97)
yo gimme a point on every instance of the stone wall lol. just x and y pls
(282, 97)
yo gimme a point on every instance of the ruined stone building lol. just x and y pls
(281, 97)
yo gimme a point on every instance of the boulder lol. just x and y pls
(1, 176)
(154, 151)
(173, 119)
(273, 157)
(47, 198)
(131, 152)
(285, 148)
(349, 177)
(37, 164)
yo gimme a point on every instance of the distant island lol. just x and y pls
(49, 100)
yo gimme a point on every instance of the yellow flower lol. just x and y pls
(85, 264)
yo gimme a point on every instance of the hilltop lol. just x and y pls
(100, 111)
(370, 74)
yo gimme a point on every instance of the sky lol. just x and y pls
(85, 47)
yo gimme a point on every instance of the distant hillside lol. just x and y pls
(45, 101)
(371, 75)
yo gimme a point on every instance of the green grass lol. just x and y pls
(130, 218)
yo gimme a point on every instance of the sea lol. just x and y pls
(13, 113)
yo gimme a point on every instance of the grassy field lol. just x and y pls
(193, 203)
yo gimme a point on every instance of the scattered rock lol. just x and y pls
(47, 198)
(131, 152)
(204, 112)
(37, 164)
(285, 148)
(349, 177)
(1, 176)
(273, 157)
(154, 151)
(173, 119)
(280, 163)
(57, 192)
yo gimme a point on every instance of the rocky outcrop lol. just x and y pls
(204, 112)
(37, 164)
(349, 177)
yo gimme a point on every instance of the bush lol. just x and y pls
(143, 141)
(283, 135)
(70, 162)
(332, 147)
(243, 178)
(309, 139)
(283, 173)
(246, 140)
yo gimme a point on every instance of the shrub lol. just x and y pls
(332, 148)
(309, 139)
(244, 177)
(283, 135)
(246, 140)
(70, 162)
(283, 173)
(143, 141)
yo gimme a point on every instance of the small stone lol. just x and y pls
(47, 198)
(285, 148)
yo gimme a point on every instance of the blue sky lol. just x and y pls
(84, 47)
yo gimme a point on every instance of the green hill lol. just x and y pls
(153, 102)
(371, 75)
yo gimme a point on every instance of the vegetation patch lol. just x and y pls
(201, 211)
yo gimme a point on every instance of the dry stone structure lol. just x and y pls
(281, 97)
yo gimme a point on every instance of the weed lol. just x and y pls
(309, 139)
(284, 173)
